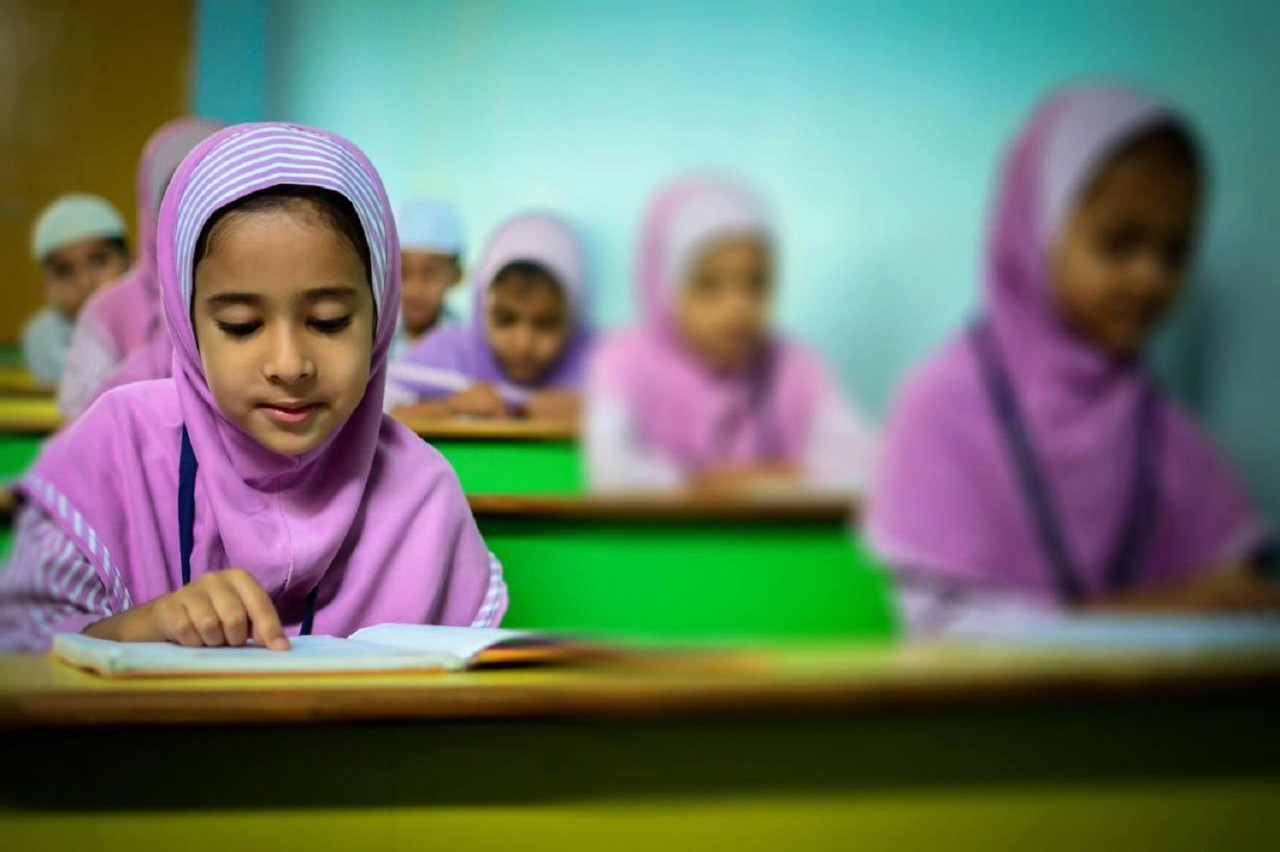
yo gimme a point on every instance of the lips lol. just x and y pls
(290, 413)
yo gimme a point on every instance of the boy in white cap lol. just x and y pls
(79, 242)
(430, 264)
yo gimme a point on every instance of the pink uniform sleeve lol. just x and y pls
(48, 587)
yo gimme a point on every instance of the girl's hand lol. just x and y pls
(558, 405)
(478, 400)
(754, 480)
(218, 608)
(1228, 590)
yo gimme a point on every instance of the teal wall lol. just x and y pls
(874, 127)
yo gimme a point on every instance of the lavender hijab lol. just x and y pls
(129, 311)
(450, 359)
(682, 409)
(948, 499)
(372, 517)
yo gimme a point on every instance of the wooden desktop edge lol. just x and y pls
(491, 430)
(550, 694)
(634, 508)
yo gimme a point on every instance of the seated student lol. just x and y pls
(126, 316)
(522, 353)
(430, 266)
(703, 394)
(261, 490)
(79, 242)
(1033, 463)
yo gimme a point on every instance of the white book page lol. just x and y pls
(464, 643)
(307, 654)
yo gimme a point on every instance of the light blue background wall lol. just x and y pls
(874, 127)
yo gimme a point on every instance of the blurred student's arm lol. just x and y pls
(555, 404)
(932, 606)
(617, 460)
(1233, 588)
(91, 360)
(40, 347)
(841, 449)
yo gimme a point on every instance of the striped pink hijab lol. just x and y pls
(373, 516)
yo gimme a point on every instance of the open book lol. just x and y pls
(382, 648)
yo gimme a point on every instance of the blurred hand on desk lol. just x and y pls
(1234, 588)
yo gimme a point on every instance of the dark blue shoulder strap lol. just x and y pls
(1136, 527)
(187, 467)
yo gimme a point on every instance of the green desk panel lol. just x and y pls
(550, 468)
(690, 581)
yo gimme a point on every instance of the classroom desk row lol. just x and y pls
(924, 747)
(536, 458)
(781, 568)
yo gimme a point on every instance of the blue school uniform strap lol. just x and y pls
(187, 467)
(1134, 533)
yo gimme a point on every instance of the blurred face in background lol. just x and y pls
(425, 278)
(73, 272)
(723, 306)
(527, 321)
(1121, 259)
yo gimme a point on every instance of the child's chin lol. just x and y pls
(287, 444)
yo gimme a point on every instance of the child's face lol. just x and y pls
(284, 317)
(74, 272)
(528, 327)
(425, 277)
(1122, 257)
(722, 310)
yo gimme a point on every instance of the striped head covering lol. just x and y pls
(450, 359)
(372, 517)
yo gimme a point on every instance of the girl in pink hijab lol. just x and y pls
(702, 394)
(125, 316)
(260, 491)
(1033, 463)
(523, 350)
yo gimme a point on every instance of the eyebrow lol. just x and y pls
(317, 295)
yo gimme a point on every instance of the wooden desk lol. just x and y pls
(16, 381)
(508, 456)
(898, 748)
(28, 416)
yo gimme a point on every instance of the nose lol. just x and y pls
(524, 337)
(86, 280)
(288, 360)
(1151, 274)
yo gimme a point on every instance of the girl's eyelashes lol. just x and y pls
(330, 326)
(238, 329)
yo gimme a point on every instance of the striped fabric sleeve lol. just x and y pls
(494, 605)
(48, 587)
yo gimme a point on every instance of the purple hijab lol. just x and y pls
(948, 499)
(450, 359)
(129, 311)
(682, 409)
(372, 516)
